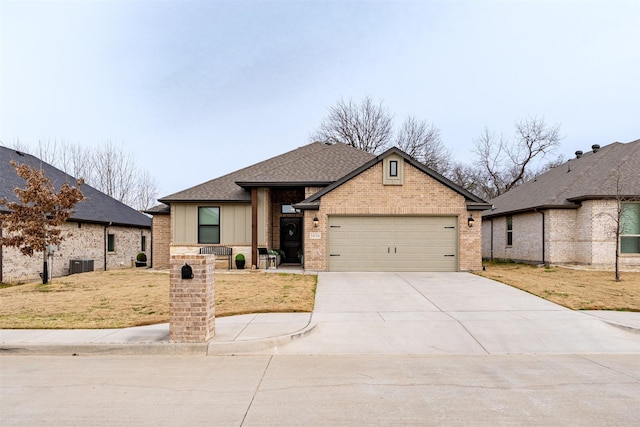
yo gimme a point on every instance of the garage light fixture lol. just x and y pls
(470, 220)
(315, 221)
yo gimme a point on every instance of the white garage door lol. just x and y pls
(393, 243)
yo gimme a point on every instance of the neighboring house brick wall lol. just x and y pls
(127, 246)
(84, 242)
(582, 236)
(161, 227)
(603, 246)
(419, 195)
(560, 235)
(81, 243)
(584, 232)
(527, 238)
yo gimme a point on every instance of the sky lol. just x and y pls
(197, 89)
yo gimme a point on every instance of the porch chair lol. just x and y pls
(263, 254)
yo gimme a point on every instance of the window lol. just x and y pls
(111, 242)
(143, 244)
(393, 168)
(288, 209)
(630, 228)
(209, 225)
(509, 230)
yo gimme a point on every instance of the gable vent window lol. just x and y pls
(630, 228)
(393, 168)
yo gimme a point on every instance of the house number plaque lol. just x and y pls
(315, 235)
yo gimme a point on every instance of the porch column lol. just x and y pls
(254, 227)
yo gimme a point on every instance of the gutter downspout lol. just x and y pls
(491, 219)
(543, 230)
(105, 245)
(1, 278)
(254, 227)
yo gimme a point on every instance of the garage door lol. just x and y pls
(393, 243)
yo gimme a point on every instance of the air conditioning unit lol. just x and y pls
(80, 266)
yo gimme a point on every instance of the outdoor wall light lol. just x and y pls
(315, 221)
(470, 221)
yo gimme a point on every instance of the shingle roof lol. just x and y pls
(97, 206)
(592, 176)
(313, 164)
(160, 209)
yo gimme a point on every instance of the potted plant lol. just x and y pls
(276, 254)
(240, 261)
(141, 260)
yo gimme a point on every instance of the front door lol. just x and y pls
(291, 238)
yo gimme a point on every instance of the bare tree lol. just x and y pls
(422, 141)
(506, 163)
(146, 190)
(108, 168)
(32, 222)
(115, 173)
(470, 178)
(367, 126)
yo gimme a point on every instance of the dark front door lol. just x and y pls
(291, 238)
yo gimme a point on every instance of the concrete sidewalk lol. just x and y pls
(376, 313)
(244, 333)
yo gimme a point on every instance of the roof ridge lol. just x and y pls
(236, 172)
(293, 157)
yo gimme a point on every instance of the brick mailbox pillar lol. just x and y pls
(191, 299)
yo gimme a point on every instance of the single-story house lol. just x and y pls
(332, 207)
(568, 214)
(103, 234)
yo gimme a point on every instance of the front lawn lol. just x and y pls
(135, 297)
(572, 288)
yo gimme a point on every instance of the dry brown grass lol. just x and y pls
(134, 297)
(575, 289)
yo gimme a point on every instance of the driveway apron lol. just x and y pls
(447, 313)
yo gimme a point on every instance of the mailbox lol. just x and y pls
(187, 272)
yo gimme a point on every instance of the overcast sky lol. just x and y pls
(197, 89)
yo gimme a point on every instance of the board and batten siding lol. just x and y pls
(235, 223)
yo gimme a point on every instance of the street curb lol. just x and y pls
(155, 349)
(253, 346)
(133, 349)
(628, 328)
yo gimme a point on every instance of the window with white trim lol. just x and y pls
(630, 228)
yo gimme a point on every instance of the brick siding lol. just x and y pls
(84, 241)
(192, 301)
(572, 236)
(420, 194)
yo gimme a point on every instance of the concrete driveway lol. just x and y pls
(447, 313)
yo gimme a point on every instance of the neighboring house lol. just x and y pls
(102, 231)
(567, 215)
(331, 207)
